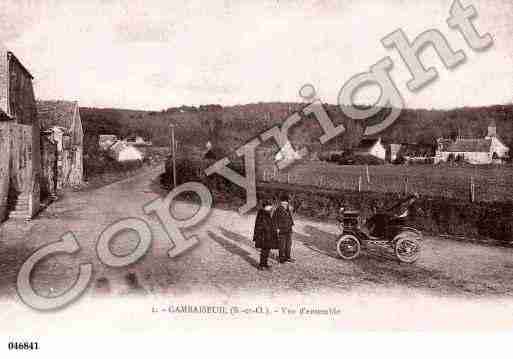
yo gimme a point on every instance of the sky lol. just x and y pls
(152, 54)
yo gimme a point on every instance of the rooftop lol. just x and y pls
(56, 113)
(12, 56)
(367, 143)
(470, 145)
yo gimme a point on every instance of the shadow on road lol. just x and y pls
(326, 243)
(156, 186)
(134, 285)
(378, 266)
(233, 248)
(11, 260)
(318, 241)
(243, 240)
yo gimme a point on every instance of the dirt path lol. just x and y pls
(224, 262)
(455, 279)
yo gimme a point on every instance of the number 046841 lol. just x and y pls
(23, 346)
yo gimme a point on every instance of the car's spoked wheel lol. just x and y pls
(348, 247)
(407, 249)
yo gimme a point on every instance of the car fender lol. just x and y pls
(399, 229)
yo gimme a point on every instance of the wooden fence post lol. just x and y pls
(472, 189)
(406, 185)
(359, 183)
(367, 172)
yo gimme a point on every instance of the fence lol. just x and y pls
(475, 184)
(484, 184)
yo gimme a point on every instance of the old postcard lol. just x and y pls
(255, 165)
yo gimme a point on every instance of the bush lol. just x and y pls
(432, 215)
(97, 163)
(361, 160)
(186, 171)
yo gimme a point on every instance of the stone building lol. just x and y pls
(49, 170)
(371, 147)
(20, 160)
(61, 125)
(105, 141)
(473, 150)
(122, 152)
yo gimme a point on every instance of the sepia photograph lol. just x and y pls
(282, 165)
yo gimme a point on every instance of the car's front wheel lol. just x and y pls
(348, 247)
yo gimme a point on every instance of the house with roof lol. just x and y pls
(287, 153)
(105, 141)
(20, 165)
(138, 141)
(473, 150)
(123, 152)
(17, 99)
(61, 124)
(371, 147)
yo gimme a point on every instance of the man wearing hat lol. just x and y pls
(265, 234)
(282, 218)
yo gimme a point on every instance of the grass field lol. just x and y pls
(490, 183)
(320, 188)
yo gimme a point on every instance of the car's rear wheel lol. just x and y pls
(407, 248)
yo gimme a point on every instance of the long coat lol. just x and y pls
(283, 220)
(264, 235)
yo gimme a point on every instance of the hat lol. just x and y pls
(284, 197)
(265, 203)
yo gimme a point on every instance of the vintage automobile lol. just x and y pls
(385, 229)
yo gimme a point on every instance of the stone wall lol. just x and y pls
(24, 188)
(4, 80)
(4, 168)
(19, 182)
(48, 168)
(21, 92)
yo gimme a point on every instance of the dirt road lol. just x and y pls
(224, 262)
(453, 285)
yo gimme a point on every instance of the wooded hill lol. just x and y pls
(230, 127)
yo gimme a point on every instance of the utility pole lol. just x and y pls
(173, 153)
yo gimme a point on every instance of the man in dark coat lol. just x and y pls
(282, 218)
(391, 216)
(265, 234)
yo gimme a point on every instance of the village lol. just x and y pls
(189, 167)
(42, 143)
(474, 151)
(43, 146)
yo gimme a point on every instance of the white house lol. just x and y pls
(287, 152)
(137, 141)
(473, 150)
(105, 141)
(122, 152)
(371, 147)
(395, 148)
